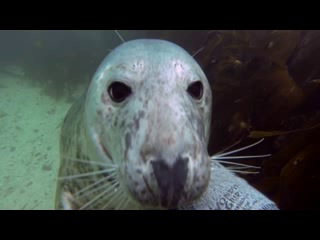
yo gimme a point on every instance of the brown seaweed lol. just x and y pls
(267, 80)
(263, 134)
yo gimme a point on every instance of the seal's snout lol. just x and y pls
(171, 180)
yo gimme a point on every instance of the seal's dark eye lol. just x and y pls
(196, 90)
(119, 91)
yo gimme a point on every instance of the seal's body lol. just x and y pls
(138, 137)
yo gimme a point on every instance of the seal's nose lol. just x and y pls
(170, 179)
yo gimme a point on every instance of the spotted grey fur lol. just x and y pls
(157, 138)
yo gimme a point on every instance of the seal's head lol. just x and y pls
(148, 111)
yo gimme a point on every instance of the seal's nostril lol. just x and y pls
(171, 180)
(162, 173)
(180, 171)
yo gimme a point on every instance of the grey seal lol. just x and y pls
(137, 139)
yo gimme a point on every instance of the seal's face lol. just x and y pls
(148, 111)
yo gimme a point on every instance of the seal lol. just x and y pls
(138, 137)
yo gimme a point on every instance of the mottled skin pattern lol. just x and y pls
(154, 134)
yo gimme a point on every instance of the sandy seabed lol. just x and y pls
(29, 144)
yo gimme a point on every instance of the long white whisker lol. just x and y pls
(126, 203)
(244, 172)
(237, 168)
(238, 150)
(95, 183)
(240, 157)
(238, 171)
(120, 196)
(89, 186)
(109, 165)
(198, 51)
(86, 174)
(238, 164)
(227, 148)
(109, 194)
(108, 184)
(120, 36)
(111, 199)
(98, 196)
(122, 201)
(95, 199)
(119, 205)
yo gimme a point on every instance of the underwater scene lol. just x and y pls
(160, 119)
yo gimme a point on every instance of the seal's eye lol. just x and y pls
(196, 90)
(119, 91)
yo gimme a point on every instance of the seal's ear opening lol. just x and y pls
(119, 91)
(196, 90)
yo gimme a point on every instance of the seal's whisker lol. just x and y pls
(227, 148)
(108, 184)
(89, 186)
(104, 194)
(122, 201)
(119, 191)
(238, 150)
(119, 197)
(199, 50)
(105, 187)
(86, 174)
(238, 164)
(119, 205)
(238, 167)
(107, 194)
(109, 165)
(116, 31)
(240, 171)
(95, 183)
(243, 172)
(126, 203)
(240, 157)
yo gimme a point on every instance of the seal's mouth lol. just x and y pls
(159, 180)
(169, 199)
(171, 180)
(159, 185)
